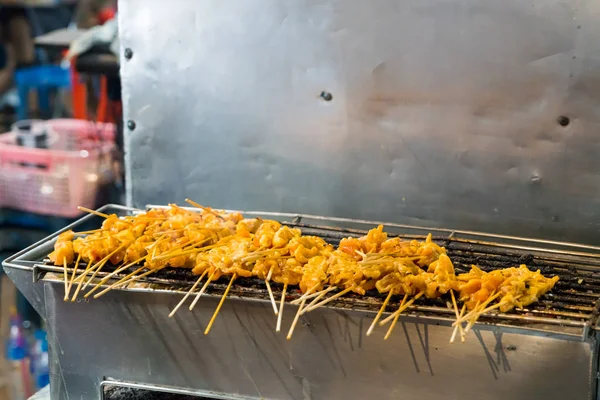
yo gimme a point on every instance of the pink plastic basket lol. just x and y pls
(56, 180)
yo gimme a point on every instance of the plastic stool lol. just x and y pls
(40, 78)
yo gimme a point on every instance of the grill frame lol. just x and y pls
(581, 258)
(133, 326)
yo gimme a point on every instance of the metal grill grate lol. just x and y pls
(571, 308)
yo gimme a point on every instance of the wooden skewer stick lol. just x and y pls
(66, 278)
(459, 327)
(188, 294)
(402, 307)
(173, 252)
(335, 296)
(185, 252)
(126, 281)
(89, 232)
(208, 210)
(300, 308)
(118, 283)
(478, 307)
(202, 290)
(73, 276)
(135, 278)
(212, 320)
(109, 276)
(273, 303)
(462, 333)
(280, 315)
(101, 266)
(320, 294)
(87, 210)
(81, 277)
(310, 296)
(381, 310)
(480, 313)
(100, 263)
(291, 331)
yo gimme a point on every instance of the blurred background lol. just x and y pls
(60, 147)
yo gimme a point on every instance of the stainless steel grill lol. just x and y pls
(569, 312)
(572, 307)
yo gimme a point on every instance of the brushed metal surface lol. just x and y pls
(443, 113)
(129, 336)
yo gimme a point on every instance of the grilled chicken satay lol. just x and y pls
(63, 249)
(345, 272)
(519, 287)
(522, 287)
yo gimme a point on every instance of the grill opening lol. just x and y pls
(115, 390)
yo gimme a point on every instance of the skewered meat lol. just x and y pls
(63, 249)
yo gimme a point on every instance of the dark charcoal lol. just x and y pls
(118, 393)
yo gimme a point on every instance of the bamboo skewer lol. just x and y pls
(483, 311)
(459, 327)
(403, 305)
(206, 209)
(173, 252)
(402, 308)
(478, 306)
(335, 296)
(185, 252)
(310, 296)
(118, 283)
(100, 263)
(273, 303)
(73, 277)
(212, 320)
(84, 274)
(462, 337)
(320, 295)
(103, 264)
(300, 308)
(124, 281)
(291, 331)
(87, 210)
(135, 278)
(89, 232)
(188, 294)
(109, 276)
(66, 274)
(280, 315)
(202, 290)
(387, 299)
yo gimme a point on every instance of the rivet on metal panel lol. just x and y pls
(131, 125)
(563, 121)
(128, 53)
(326, 96)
